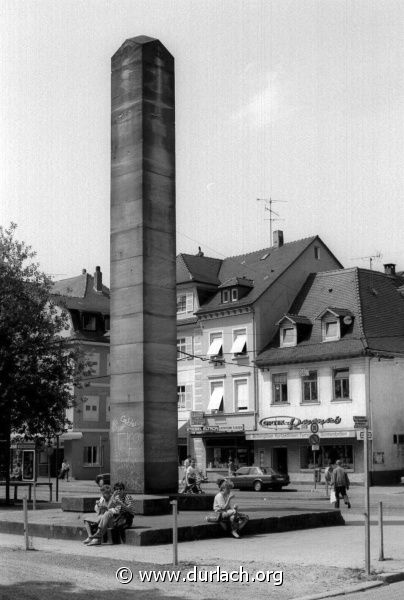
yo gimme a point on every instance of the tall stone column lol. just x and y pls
(144, 425)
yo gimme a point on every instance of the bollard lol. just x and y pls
(25, 508)
(175, 532)
(381, 550)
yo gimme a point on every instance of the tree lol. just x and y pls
(39, 366)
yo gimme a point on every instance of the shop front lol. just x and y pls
(218, 440)
(287, 444)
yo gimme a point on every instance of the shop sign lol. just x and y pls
(197, 417)
(299, 435)
(292, 423)
(361, 422)
(215, 429)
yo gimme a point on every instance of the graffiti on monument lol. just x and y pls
(129, 433)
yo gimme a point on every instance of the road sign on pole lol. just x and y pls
(361, 422)
(314, 439)
(314, 427)
(360, 435)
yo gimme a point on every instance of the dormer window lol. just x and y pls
(234, 295)
(331, 329)
(288, 336)
(225, 296)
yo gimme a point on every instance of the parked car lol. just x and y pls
(259, 478)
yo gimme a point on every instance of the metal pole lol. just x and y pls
(34, 497)
(315, 474)
(25, 508)
(367, 516)
(56, 465)
(381, 550)
(175, 532)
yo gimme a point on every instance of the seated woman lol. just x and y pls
(106, 508)
(124, 519)
(229, 516)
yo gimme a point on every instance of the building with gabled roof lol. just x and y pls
(337, 353)
(226, 311)
(86, 444)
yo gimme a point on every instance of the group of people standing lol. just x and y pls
(115, 510)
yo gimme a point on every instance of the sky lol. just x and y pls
(301, 101)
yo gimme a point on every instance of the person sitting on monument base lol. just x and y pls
(106, 508)
(230, 517)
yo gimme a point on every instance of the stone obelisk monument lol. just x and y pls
(144, 425)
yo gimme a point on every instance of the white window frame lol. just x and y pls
(225, 296)
(91, 414)
(234, 295)
(214, 348)
(334, 379)
(309, 378)
(95, 451)
(284, 328)
(236, 382)
(216, 385)
(330, 320)
(274, 383)
(185, 396)
(236, 335)
(182, 300)
(94, 357)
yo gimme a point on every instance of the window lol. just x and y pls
(241, 394)
(330, 329)
(181, 303)
(91, 408)
(107, 408)
(185, 396)
(288, 336)
(239, 342)
(215, 345)
(280, 388)
(89, 322)
(184, 348)
(107, 323)
(216, 397)
(316, 253)
(91, 456)
(341, 384)
(234, 295)
(225, 296)
(326, 455)
(94, 360)
(310, 390)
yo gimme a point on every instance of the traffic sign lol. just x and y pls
(314, 427)
(315, 447)
(361, 422)
(314, 439)
(360, 435)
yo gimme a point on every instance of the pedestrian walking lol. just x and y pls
(340, 483)
(64, 470)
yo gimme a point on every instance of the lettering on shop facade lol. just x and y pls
(293, 423)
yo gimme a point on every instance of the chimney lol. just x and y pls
(390, 269)
(200, 253)
(98, 279)
(83, 271)
(278, 238)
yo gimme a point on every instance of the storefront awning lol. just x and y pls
(183, 429)
(71, 435)
(215, 399)
(239, 344)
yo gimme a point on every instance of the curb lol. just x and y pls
(382, 579)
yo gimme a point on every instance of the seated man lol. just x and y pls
(124, 519)
(106, 508)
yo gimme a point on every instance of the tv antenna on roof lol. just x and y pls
(370, 258)
(268, 207)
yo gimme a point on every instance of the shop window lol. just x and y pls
(241, 394)
(92, 457)
(218, 454)
(310, 387)
(280, 388)
(239, 346)
(341, 384)
(326, 455)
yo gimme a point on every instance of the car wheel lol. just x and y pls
(257, 486)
